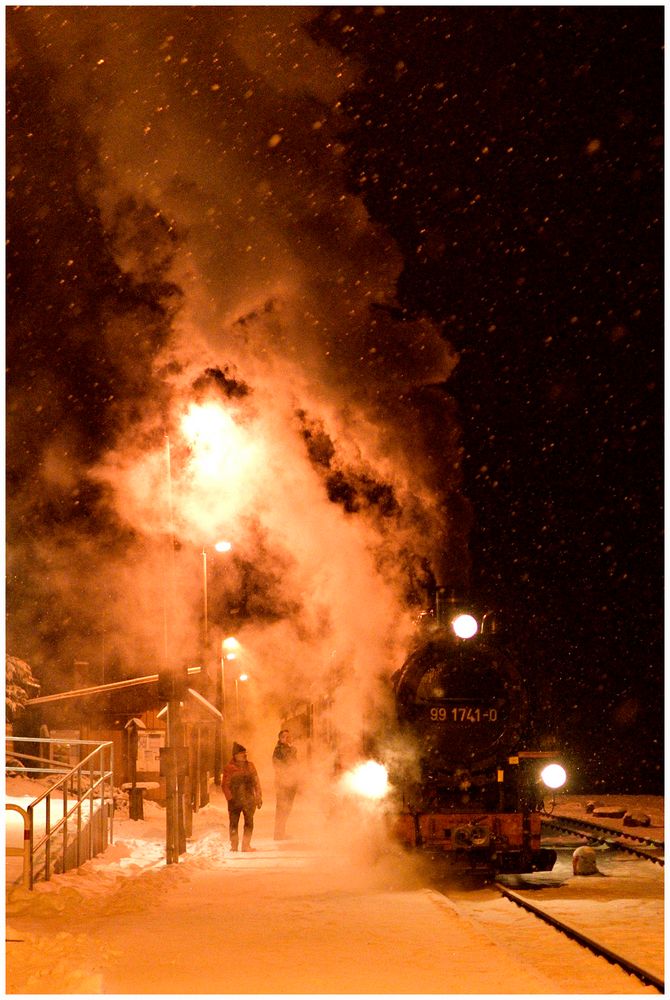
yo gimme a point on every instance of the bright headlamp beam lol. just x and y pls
(554, 776)
(369, 780)
(465, 626)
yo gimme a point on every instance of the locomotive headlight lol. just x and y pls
(465, 626)
(554, 776)
(369, 780)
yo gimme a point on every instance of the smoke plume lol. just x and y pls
(230, 363)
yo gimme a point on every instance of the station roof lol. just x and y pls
(134, 693)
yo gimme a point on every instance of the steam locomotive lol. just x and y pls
(472, 787)
(464, 783)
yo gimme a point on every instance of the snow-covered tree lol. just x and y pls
(20, 685)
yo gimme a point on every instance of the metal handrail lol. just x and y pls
(99, 778)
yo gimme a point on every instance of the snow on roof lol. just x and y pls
(207, 705)
(101, 688)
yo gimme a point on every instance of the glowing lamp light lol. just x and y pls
(243, 677)
(230, 647)
(221, 449)
(465, 626)
(369, 780)
(554, 776)
(223, 546)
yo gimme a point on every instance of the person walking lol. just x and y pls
(242, 788)
(285, 762)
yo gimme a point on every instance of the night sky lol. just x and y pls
(516, 156)
(504, 165)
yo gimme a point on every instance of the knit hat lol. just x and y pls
(238, 748)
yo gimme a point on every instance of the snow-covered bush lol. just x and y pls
(20, 685)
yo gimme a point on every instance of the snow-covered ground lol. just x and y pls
(334, 910)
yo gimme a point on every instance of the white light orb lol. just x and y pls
(554, 776)
(370, 780)
(465, 626)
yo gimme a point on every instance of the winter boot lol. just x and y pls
(233, 841)
(246, 842)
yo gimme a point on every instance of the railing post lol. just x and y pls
(26, 849)
(111, 792)
(47, 846)
(91, 809)
(31, 873)
(100, 762)
(65, 801)
(78, 850)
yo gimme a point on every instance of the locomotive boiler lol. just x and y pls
(467, 782)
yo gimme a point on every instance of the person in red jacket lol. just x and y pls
(242, 789)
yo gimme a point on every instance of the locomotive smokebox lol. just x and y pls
(460, 692)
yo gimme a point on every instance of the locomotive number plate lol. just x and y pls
(463, 713)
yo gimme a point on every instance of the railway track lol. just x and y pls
(600, 834)
(648, 978)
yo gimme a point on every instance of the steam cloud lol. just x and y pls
(255, 287)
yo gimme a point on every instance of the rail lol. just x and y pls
(587, 824)
(618, 839)
(594, 946)
(72, 820)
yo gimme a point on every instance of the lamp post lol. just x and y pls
(204, 598)
(229, 649)
(170, 687)
(220, 546)
(242, 677)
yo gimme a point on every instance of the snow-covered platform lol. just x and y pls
(330, 911)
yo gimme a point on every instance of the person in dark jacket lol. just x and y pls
(242, 789)
(285, 762)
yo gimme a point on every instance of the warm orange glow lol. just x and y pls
(223, 546)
